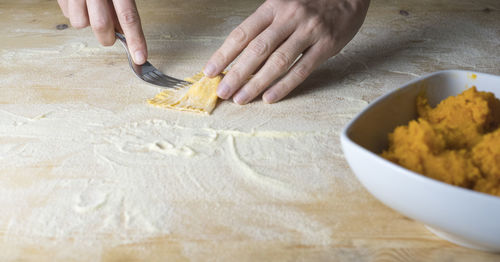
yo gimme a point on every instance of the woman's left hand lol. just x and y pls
(274, 36)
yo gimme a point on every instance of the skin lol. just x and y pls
(105, 17)
(271, 39)
(279, 45)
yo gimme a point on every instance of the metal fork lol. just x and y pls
(147, 72)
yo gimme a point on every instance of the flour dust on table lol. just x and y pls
(86, 173)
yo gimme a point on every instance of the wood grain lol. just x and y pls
(400, 40)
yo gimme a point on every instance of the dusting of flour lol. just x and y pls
(74, 171)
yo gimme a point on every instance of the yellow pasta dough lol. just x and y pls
(200, 96)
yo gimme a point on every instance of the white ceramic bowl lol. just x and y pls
(462, 216)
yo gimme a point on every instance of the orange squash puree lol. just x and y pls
(457, 142)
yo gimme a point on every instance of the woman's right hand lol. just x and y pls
(106, 17)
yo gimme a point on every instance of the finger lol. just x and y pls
(63, 4)
(130, 22)
(238, 39)
(101, 21)
(112, 12)
(252, 57)
(311, 59)
(77, 11)
(275, 66)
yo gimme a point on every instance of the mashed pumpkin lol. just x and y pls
(457, 142)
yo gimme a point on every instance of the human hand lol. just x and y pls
(105, 17)
(274, 36)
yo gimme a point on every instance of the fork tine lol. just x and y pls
(148, 73)
(168, 77)
(164, 82)
(175, 83)
(163, 75)
(161, 79)
(149, 77)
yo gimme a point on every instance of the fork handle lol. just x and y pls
(121, 38)
(123, 41)
(131, 62)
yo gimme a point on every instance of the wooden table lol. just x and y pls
(400, 40)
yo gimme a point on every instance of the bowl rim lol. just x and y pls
(344, 137)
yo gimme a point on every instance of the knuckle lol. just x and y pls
(328, 45)
(271, 4)
(258, 47)
(220, 58)
(107, 41)
(281, 89)
(234, 75)
(79, 24)
(238, 35)
(100, 25)
(314, 26)
(315, 21)
(130, 16)
(280, 60)
(252, 90)
(350, 7)
(268, 6)
(294, 10)
(301, 71)
(257, 86)
(295, 7)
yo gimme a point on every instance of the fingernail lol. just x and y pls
(139, 57)
(223, 90)
(240, 98)
(270, 97)
(209, 69)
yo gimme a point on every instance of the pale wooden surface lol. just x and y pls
(54, 66)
